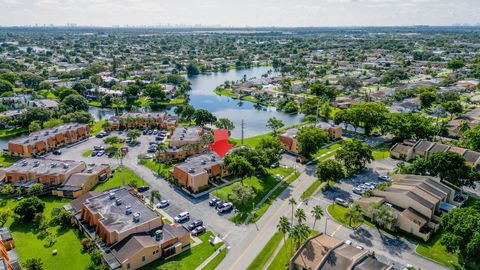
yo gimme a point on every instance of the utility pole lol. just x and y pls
(318, 112)
(123, 171)
(242, 134)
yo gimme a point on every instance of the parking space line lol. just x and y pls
(336, 230)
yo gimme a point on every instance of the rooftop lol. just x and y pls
(198, 164)
(44, 166)
(114, 215)
(44, 134)
(312, 253)
(186, 134)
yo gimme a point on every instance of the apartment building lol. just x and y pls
(409, 150)
(142, 121)
(8, 257)
(195, 172)
(133, 233)
(46, 140)
(323, 252)
(184, 142)
(418, 201)
(72, 178)
(290, 142)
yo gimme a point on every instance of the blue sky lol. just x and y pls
(240, 12)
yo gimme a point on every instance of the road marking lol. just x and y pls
(336, 230)
(263, 230)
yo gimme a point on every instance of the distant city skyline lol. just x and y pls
(228, 13)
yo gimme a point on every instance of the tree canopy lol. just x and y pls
(355, 155)
(311, 139)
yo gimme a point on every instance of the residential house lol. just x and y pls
(289, 137)
(409, 150)
(134, 234)
(142, 121)
(195, 172)
(46, 140)
(44, 103)
(8, 257)
(418, 202)
(323, 252)
(70, 178)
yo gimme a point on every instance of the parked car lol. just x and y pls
(159, 138)
(163, 204)
(195, 224)
(199, 230)
(100, 153)
(152, 143)
(149, 132)
(341, 202)
(143, 188)
(278, 176)
(151, 150)
(225, 207)
(111, 154)
(182, 217)
(98, 148)
(57, 152)
(101, 134)
(371, 185)
(275, 165)
(128, 139)
(94, 153)
(219, 203)
(358, 191)
(384, 178)
(213, 202)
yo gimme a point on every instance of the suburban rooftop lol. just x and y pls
(198, 164)
(44, 134)
(44, 166)
(186, 134)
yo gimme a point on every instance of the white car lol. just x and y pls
(348, 242)
(384, 178)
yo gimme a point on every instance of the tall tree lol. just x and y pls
(330, 170)
(310, 140)
(300, 215)
(274, 124)
(317, 214)
(299, 233)
(155, 92)
(284, 226)
(238, 166)
(224, 123)
(292, 202)
(203, 117)
(354, 213)
(355, 155)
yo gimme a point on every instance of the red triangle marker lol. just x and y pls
(221, 145)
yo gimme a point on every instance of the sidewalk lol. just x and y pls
(209, 259)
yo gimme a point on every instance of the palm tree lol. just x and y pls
(292, 202)
(354, 213)
(284, 226)
(299, 233)
(317, 214)
(300, 215)
(155, 194)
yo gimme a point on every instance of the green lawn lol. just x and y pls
(262, 209)
(330, 148)
(261, 186)
(284, 254)
(159, 168)
(310, 190)
(381, 152)
(11, 132)
(7, 160)
(116, 180)
(87, 153)
(68, 242)
(96, 127)
(216, 261)
(266, 252)
(434, 250)
(187, 260)
(338, 214)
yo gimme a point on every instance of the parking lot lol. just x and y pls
(345, 188)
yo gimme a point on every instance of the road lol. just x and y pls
(245, 241)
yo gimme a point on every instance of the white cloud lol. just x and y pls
(240, 13)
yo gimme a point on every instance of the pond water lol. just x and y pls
(202, 97)
(255, 119)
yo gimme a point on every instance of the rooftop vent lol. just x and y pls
(213, 159)
(46, 133)
(36, 137)
(158, 235)
(53, 165)
(111, 195)
(26, 141)
(203, 162)
(118, 202)
(128, 210)
(24, 163)
(89, 170)
(36, 163)
(136, 217)
(191, 170)
(66, 165)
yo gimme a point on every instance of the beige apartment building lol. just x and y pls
(419, 201)
(195, 172)
(142, 121)
(47, 140)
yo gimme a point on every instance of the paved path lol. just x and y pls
(209, 259)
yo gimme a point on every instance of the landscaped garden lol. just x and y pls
(338, 214)
(261, 186)
(266, 252)
(33, 243)
(116, 180)
(162, 169)
(189, 259)
(7, 160)
(434, 250)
